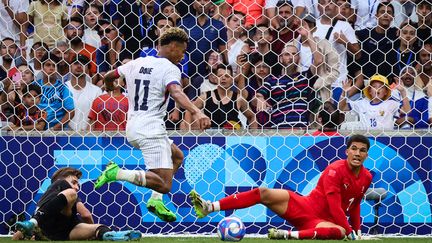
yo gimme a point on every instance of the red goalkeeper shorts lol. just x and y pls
(300, 212)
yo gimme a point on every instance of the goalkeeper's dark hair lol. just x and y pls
(359, 139)
(65, 172)
(173, 34)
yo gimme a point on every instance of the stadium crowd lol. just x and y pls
(249, 63)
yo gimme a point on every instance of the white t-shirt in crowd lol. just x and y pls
(400, 13)
(376, 116)
(91, 37)
(7, 26)
(366, 13)
(147, 79)
(83, 100)
(207, 86)
(71, 4)
(233, 52)
(340, 27)
(310, 5)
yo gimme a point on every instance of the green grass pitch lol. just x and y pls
(245, 240)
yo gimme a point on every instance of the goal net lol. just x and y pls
(284, 83)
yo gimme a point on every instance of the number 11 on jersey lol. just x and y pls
(143, 100)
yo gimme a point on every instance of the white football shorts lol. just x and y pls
(156, 152)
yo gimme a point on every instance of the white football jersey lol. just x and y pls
(147, 79)
(376, 116)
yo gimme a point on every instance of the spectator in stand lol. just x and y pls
(260, 71)
(236, 38)
(424, 65)
(418, 117)
(134, 18)
(5, 84)
(13, 94)
(26, 73)
(37, 51)
(74, 7)
(74, 33)
(62, 51)
(303, 7)
(376, 111)
(83, 91)
(13, 16)
(343, 39)
(48, 19)
(328, 70)
(346, 12)
(329, 120)
(209, 82)
(405, 48)
(21, 77)
(377, 43)
(287, 98)
(109, 54)
(404, 12)
(108, 111)
(107, 8)
(252, 9)
(169, 9)
(8, 52)
(365, 12)
(424, 24)
(287, 23)
(205, 34)
(28, 116)
(222, 105)
(262, 39)
(92, 15)
(56, 98)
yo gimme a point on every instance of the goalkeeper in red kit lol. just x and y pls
(320, 215)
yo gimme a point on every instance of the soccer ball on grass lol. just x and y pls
(231, 229)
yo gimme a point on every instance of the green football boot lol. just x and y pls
(202, 207)
(108, 175)
(158, 207)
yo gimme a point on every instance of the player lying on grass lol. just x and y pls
(322, 213)
(57, 213)
(149, 81)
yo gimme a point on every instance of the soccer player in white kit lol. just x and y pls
(149, 82)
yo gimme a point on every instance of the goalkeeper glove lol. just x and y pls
(352, 236)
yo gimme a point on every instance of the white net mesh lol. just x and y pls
(267, 73)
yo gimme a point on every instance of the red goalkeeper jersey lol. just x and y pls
(339, 193)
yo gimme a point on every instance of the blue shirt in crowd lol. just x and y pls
(202, 39)
(55, 99)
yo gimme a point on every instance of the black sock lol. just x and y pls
(101, 230)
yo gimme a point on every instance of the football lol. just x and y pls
(231, 229)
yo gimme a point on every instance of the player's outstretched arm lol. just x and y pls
(337, 212)
(180, 97)
(354, 216)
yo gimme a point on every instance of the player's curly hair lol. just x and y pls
(173, 34)
(65, 172)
